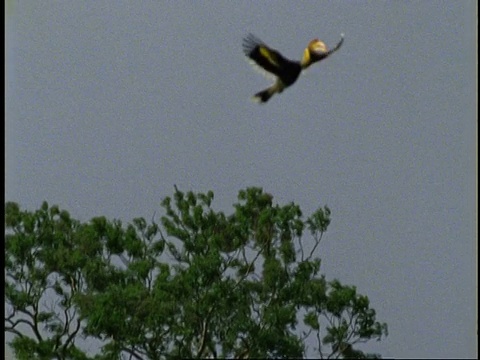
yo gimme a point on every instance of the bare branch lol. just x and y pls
(36, 323)
(72, 336)
(317, 242)
(132, 353)
(250, 266)
(203, 339)
(301, 247)
(13, 325)
(15, 331)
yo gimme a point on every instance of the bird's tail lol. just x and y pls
(264, 95)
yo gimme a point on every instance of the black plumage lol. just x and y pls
(271, 60)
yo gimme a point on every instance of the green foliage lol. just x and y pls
(199, 284)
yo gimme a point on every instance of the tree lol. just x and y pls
(199, 284)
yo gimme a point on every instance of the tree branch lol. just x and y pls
(203, 341)
(132, 353)
(317, 242)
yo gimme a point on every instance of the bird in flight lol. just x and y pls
(285, 71)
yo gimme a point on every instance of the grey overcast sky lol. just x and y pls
(111, 103)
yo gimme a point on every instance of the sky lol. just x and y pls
(109, 104)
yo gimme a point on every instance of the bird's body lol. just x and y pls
(286, 71)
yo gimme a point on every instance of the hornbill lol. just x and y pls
(286, 71)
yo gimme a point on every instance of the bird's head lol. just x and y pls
(315, 51)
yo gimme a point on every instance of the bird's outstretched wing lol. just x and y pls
(267, 58)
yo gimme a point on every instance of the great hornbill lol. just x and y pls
(286, 71)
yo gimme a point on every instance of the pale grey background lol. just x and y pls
(110, 103)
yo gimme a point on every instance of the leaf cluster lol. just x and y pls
(197, 284)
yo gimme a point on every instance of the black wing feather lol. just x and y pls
(269, 59)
